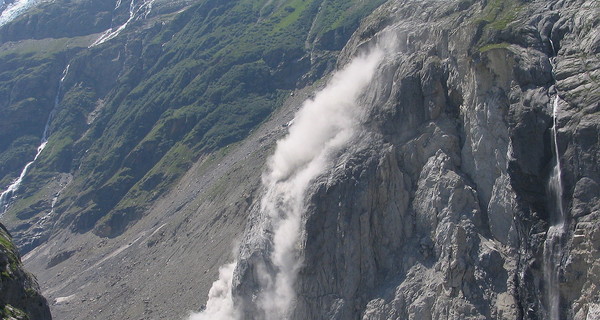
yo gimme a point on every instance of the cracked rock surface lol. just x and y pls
(441, 210)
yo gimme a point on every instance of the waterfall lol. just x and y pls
(554, 238)
(321, 130)
(7, 195)
(555, 182)
(142, 10)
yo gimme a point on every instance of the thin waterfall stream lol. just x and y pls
(553, 244)
(7, 195)
(554, 238)
(135, 11)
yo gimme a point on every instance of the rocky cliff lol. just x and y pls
(449, 170)
(445, 205)
(20, 296)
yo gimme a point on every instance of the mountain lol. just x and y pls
(130, 97)
(394, 159)
(466, 191)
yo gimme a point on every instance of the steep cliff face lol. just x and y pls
(442, 207)
(20, 296)
(464, 117)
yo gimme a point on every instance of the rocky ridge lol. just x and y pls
(20, 296)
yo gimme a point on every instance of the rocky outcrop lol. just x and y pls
(20, 296)
(441, 210)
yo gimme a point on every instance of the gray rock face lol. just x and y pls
(440, 211)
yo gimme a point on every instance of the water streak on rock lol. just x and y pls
(6, 196)
(135, 12)
(553, 244)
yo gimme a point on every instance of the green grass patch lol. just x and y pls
(10, 312)
(494, 46)
(290, 13)
(8, 248)
(497, 14)
(495, 18)
(190, 86)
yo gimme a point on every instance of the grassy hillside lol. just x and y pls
(137, 111)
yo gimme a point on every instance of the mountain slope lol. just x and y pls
(461, 184)
(134, 111)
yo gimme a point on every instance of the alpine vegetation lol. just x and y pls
(321, 129)
(5, 197)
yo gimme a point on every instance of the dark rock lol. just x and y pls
(20, 296)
